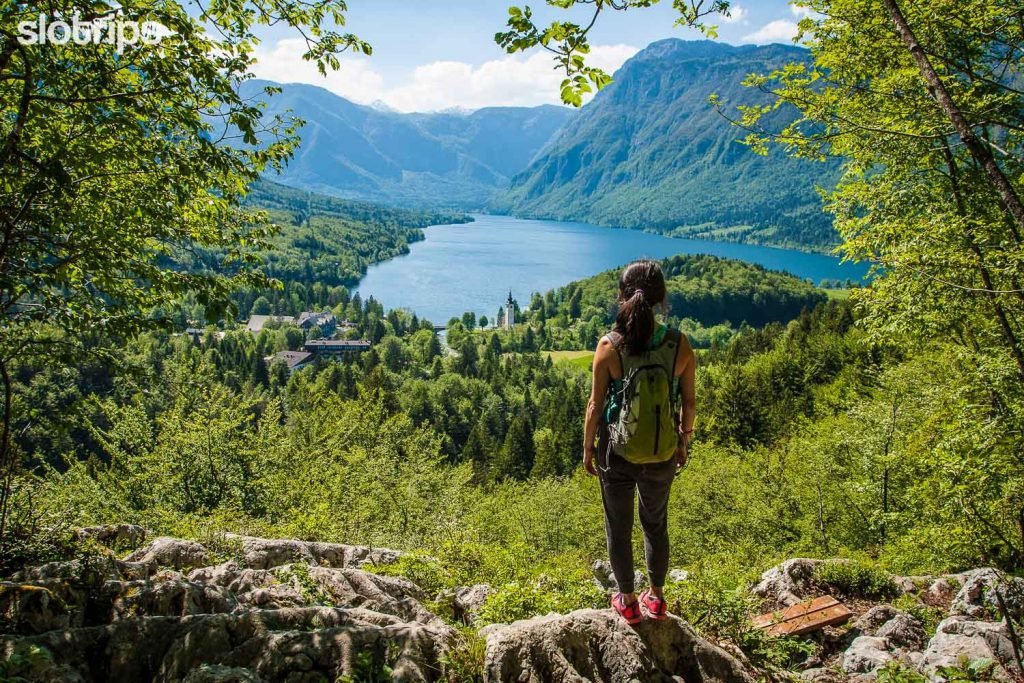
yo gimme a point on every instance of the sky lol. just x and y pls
(440, 54)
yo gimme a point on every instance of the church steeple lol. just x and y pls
(510, 311)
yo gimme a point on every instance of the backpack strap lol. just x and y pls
(674, 391)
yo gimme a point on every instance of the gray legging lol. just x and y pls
(653, 482)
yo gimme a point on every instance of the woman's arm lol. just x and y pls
(599, 389)
(686, 367)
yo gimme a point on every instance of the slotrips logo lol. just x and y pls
(111, 29)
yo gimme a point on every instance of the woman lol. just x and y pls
(643, 440)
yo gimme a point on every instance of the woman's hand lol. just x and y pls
(588, 461)
(683, 450)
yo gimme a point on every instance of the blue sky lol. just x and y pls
(441, 54)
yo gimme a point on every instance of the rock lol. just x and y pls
(275, 645)
(868, 623)
(958, 638)
(221, 674)
(467, 601)
(261, 553)
(977, 599)
(304, 585)
(679, 575)
(604, 577)
(788, 583)
(114, 535)
(31, 609)
(821, 675)
(903, 632)
(172, 552)
(90, 571)
(867, 654)
(941, 591)
(169, 598)
(598, 646)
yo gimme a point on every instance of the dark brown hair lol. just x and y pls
(641, 288)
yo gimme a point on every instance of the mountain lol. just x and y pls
(446, 159)
(650, 152)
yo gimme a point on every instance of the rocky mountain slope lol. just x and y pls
(650, 152)
(415, 160)
(246, 609)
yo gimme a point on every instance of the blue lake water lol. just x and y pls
(472, 267)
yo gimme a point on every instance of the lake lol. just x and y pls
(473, 267)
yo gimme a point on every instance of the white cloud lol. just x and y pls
(737, 14)
(283, 63)
(801, 11)
(778, 31)
(515, 80)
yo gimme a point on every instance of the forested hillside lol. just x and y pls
(414, 160)
(650, 152)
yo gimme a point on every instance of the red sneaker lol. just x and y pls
(631, 613)
(653, 606)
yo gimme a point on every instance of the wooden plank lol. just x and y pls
(805, 617)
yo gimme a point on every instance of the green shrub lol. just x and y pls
(856, 579)
(525, 598)
(426, 572)
(928, 615)
(896, 672)
(464, 661)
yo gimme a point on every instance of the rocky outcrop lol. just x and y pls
(596, 645)
(261, 553)
(788, 583)
(881, 635)
(465, 602)
(977, 596)
(282, 611)
(172, 552)
(958, 639)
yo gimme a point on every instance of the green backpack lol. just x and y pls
(641, 414)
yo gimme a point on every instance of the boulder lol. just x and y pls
(31, 609)
(903, 632)
(598, 646)
(298, 585)
(114, 535)
(880, 635)
(261, 553)
(958, 638)
(868, 623)
(604, 577)
(221, 674)
(467, 601)
(866, 655)
(172, 552)
(977, 595)
(788, 583)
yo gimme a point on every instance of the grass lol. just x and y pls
(582, 360)
(838, 294)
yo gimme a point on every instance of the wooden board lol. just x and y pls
(805, 617)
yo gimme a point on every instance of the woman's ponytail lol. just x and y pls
(641, 288)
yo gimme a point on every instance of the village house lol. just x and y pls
(337, 347)
(295, 360)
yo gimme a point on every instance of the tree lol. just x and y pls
(118, 162)
(921, 100)
(469, 320)
(261, 306)
(483, 322)
(568, 41)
